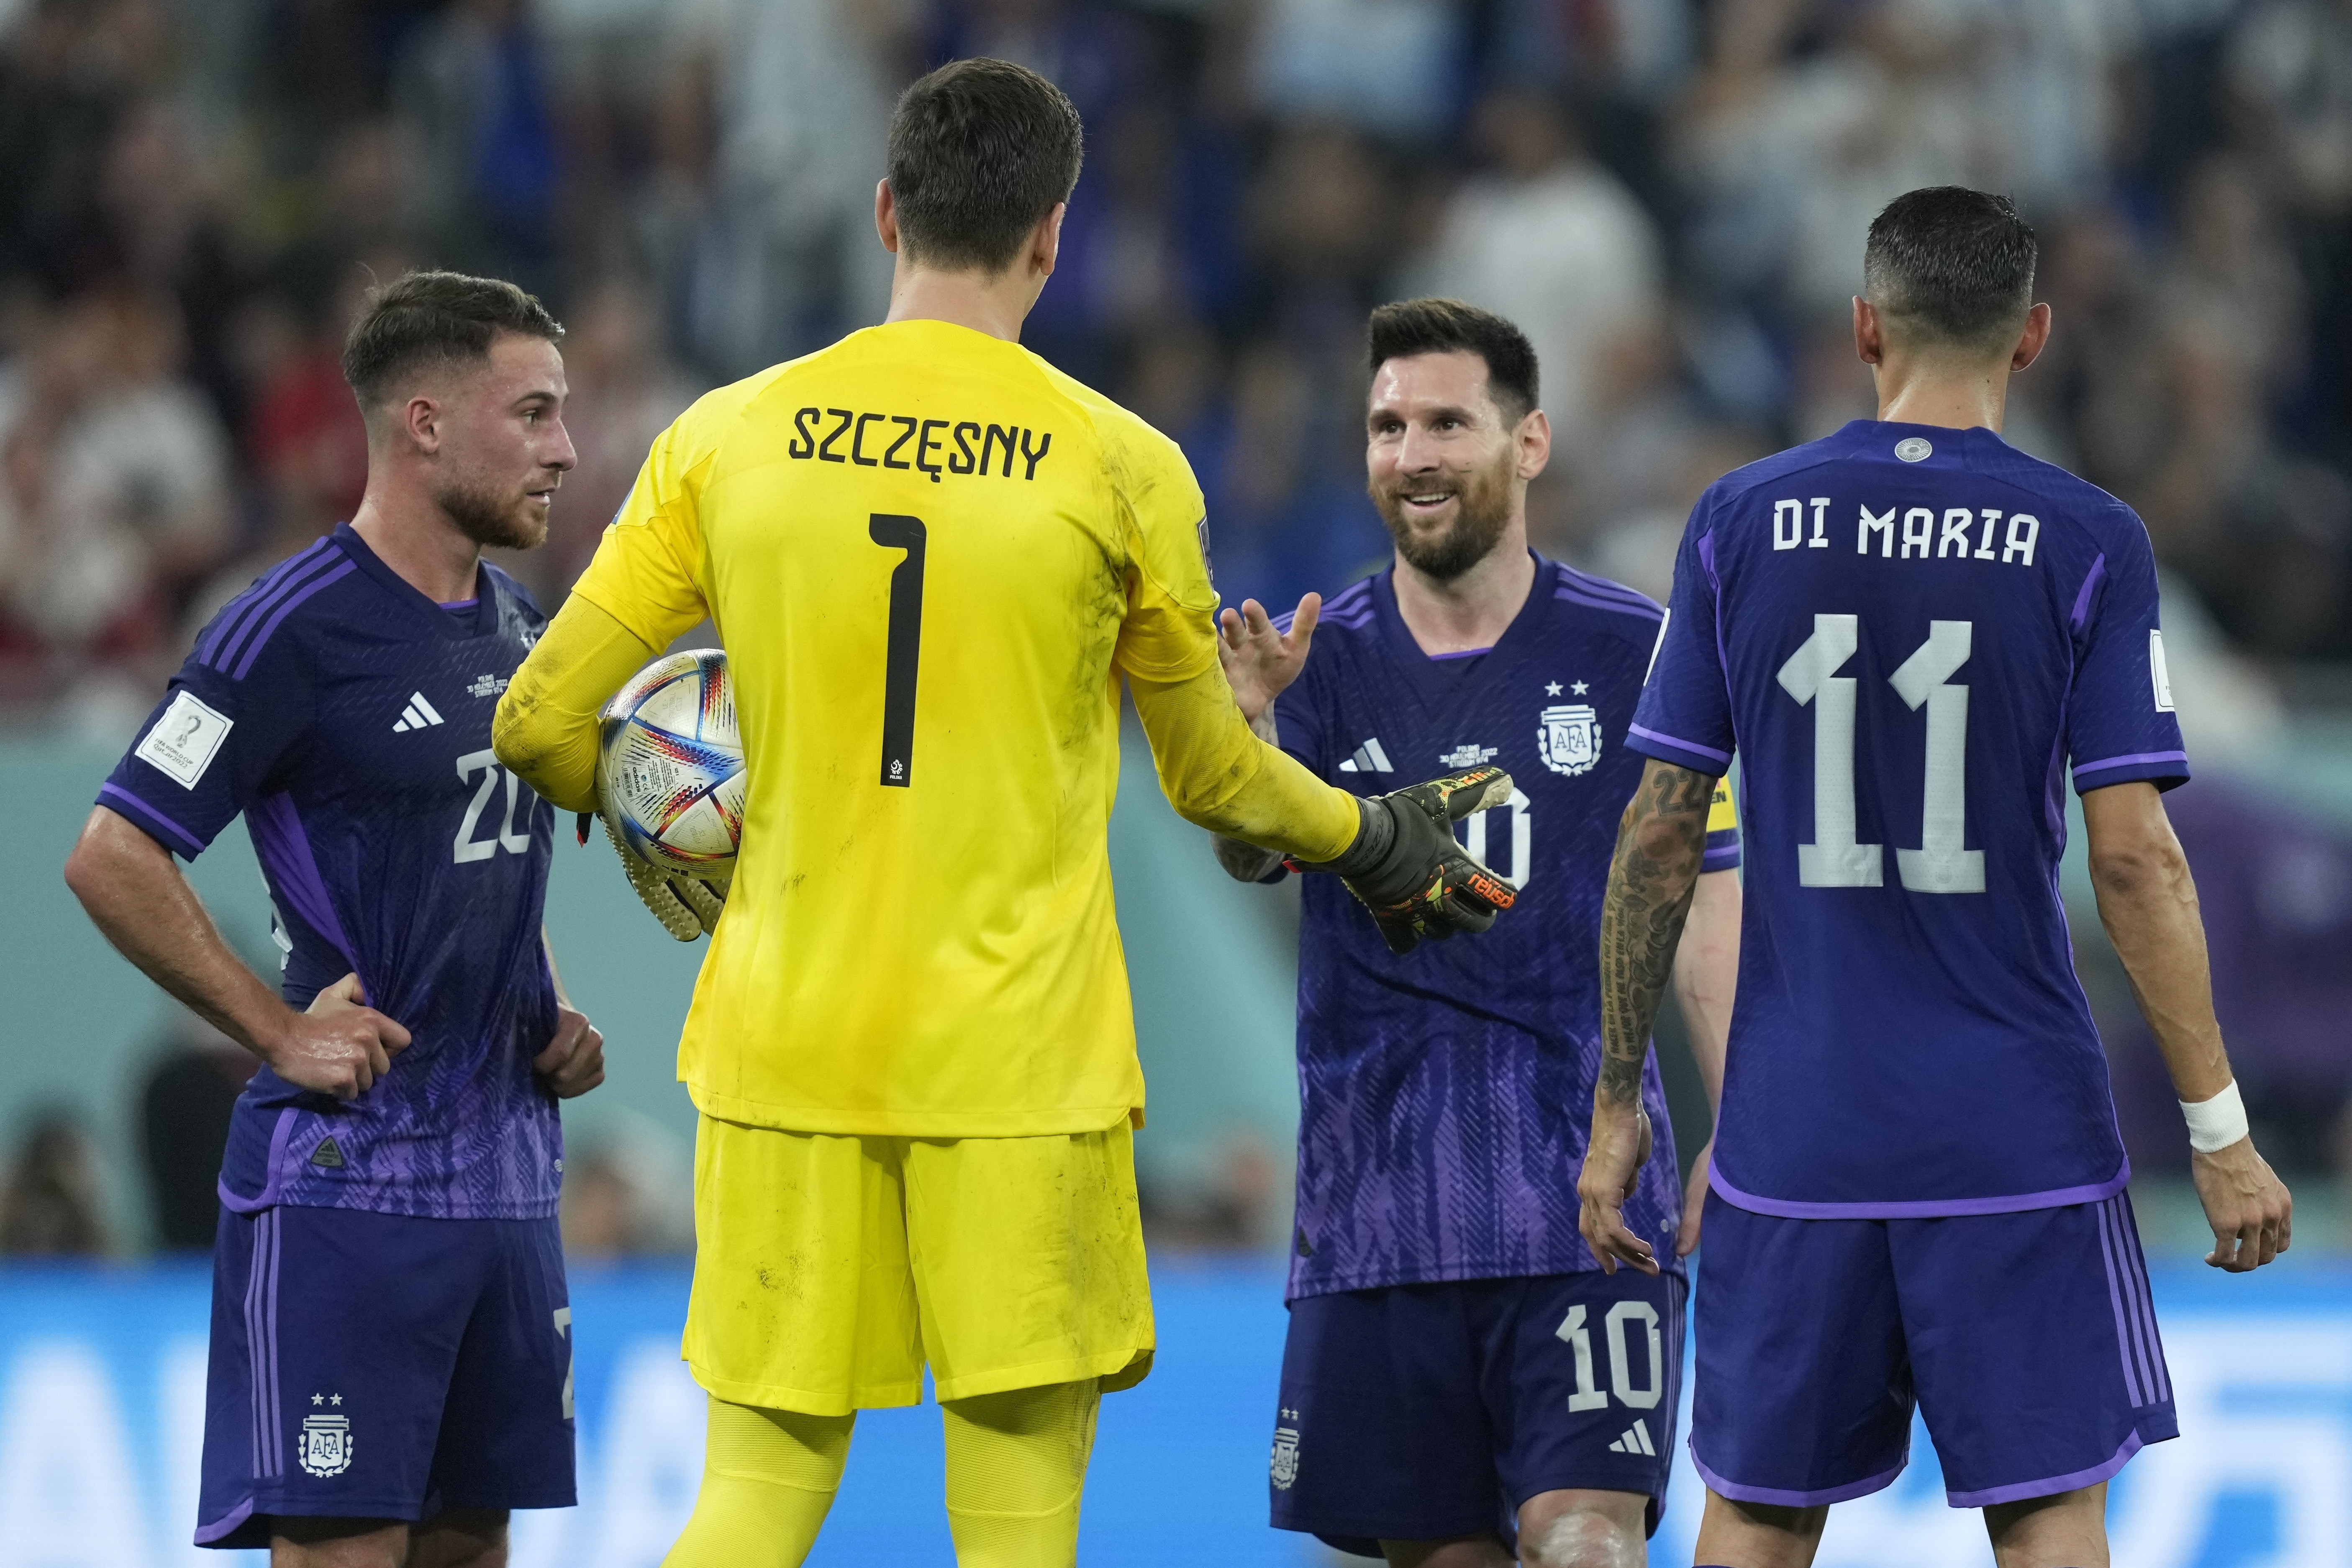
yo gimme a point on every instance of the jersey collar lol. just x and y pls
(487, 616)
(1947, 445)
(1442, 690)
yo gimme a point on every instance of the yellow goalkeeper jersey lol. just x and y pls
(928, 554)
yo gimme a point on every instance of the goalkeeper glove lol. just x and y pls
(1407, 868)
(688, 906)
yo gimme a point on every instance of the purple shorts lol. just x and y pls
(2027, 1339)
(1420, 1412)
(376, 1366)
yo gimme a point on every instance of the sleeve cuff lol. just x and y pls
(1722, 852)
(1681, 752)
(2163, 769)
(150, 821)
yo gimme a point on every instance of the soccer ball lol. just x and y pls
(669, 768)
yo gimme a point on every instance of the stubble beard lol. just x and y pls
(1482, 512)
(489, 520)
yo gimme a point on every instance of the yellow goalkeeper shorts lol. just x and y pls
(829, 1269)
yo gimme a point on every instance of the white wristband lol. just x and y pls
(2216, 1123)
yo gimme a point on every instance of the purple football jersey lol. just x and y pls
(348, 718)
(1445, 1095)
(1907, 633)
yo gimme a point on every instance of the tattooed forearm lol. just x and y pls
(1660, 840)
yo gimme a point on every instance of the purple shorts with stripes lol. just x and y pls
(379, 1366)
(2027, 1339)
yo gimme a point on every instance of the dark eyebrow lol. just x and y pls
(1447, 412)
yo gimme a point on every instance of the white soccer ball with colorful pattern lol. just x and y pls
(669, 773)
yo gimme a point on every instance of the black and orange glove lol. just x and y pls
(1407, 868)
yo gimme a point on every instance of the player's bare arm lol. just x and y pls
(573, 1061)
(1660, 841)
(2148, 901)
(1260, 662)
(1707, 973)
(146, 908)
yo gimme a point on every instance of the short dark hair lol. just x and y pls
(1407, 327)
(425, 317)
(980, 151)
(1951, 264)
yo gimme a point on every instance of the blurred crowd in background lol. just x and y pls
(1669, 195)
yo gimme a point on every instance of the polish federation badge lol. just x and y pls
(326, 1445)
(1569, 739)
(1285, 1468)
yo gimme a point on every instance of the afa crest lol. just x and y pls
(325, 1447)
(1285, 1468)
(1569, 739)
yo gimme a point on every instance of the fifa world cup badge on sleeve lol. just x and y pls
(326, 1446)
(2158, 676)
(184, 741)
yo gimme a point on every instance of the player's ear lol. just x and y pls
(1046, 244)
(2031, 342)
(886, 215)
(420, 421)
(1869, 344)
(1534, 438)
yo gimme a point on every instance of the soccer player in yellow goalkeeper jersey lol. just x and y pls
(932, 559)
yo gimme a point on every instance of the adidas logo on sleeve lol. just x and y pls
(419, 714)
(1368, 759)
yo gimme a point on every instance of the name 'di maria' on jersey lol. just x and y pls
(934, 446)
(1973, 533)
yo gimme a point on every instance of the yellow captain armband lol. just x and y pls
(1722, 815)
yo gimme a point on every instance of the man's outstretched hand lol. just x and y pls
(2250, 1209)
(1260, 661)
(1409, 869)
(1618, 1149)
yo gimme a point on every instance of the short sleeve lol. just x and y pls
(2120, 725)
(217, 743)
(1685, 714)
(646, 572)
(1722, 830)
(1170, 633)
